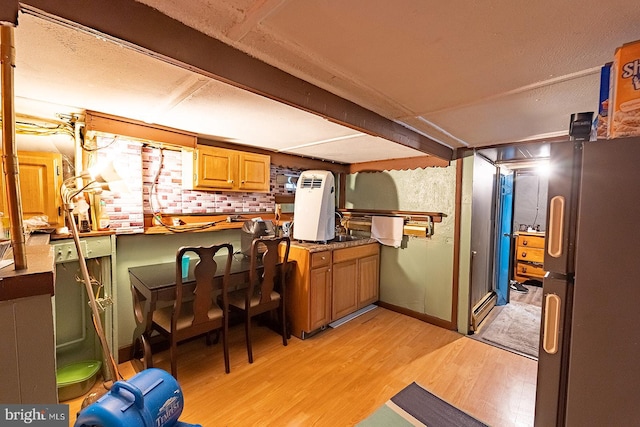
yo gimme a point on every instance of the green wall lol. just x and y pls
(418, 275)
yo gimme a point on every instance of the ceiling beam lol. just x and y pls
(149, 31)
(9, 12)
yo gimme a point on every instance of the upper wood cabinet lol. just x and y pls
(220, 169)
(40, 175)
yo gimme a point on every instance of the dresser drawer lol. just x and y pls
(533, 270)
(530, 254)
(531, 241)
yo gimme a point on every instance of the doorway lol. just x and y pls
(521, 212)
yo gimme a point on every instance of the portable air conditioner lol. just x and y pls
(314, 211)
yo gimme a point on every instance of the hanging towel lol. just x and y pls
(387, 230)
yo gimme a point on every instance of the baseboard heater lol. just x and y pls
(352, 316)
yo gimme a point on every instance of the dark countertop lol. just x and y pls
(319, 247)
(37, 279)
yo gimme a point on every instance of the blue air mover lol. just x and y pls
(151, 398)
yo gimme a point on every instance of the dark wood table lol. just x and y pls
(156, 283)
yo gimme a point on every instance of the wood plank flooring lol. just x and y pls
(340, 376)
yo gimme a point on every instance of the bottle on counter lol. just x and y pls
(84, 226)
(103, 219)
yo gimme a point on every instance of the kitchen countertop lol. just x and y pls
(319, 247)
(37, 279)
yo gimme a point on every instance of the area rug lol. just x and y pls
(515, 328)
(415, 406)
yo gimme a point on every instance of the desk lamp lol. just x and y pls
(97, 180)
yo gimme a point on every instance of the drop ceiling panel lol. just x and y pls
(235, 115)
(428, 56)
(358, 149)
(65, 66)
(537, 113)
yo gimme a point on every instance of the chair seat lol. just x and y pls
(162, 316)
(237, 299)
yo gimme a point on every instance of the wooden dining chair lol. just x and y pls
(198, 308)
(265, 291)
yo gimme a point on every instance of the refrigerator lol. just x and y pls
(589, 359)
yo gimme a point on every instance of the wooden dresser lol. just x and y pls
(529, 256)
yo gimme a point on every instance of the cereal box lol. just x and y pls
(624, 97)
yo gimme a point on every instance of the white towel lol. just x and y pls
(387, 230)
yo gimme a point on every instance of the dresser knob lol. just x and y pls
(524, 254)
(524, 243)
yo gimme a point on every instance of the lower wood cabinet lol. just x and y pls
(330, 284)
(355, 279)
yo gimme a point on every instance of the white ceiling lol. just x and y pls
(466, 74)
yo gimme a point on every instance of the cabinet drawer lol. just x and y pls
(531, 241)
(530, 254)
(320, 259)
(346, 254)
(534, 270)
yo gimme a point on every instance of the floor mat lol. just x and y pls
(516, 328)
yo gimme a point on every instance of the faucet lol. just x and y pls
(340, 227)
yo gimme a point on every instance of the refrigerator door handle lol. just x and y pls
(556, 226)
(551, 329)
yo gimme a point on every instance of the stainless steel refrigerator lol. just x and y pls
(589, 362)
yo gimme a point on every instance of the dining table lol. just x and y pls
(154, 285)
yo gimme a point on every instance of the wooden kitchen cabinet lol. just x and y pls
(345, 289)
(369, 279)
(529, 256)
(355, 279)
(40, 180)
(309, 291)
(319, 294)
(330, 284)
(220, 169)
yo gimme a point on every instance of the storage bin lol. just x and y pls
(76, 379)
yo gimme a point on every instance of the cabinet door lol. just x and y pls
(345, 289)
(40, 180)
(319, 297)
(368, 280)
(254, 172)
(215, 168)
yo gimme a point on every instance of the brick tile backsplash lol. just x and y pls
(154, 179)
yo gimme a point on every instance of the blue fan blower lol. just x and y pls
(151, 398)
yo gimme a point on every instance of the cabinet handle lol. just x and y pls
(556, 226)
(551, 327)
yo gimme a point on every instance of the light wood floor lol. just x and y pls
(342, 375)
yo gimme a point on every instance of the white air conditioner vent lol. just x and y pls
(311, 182)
